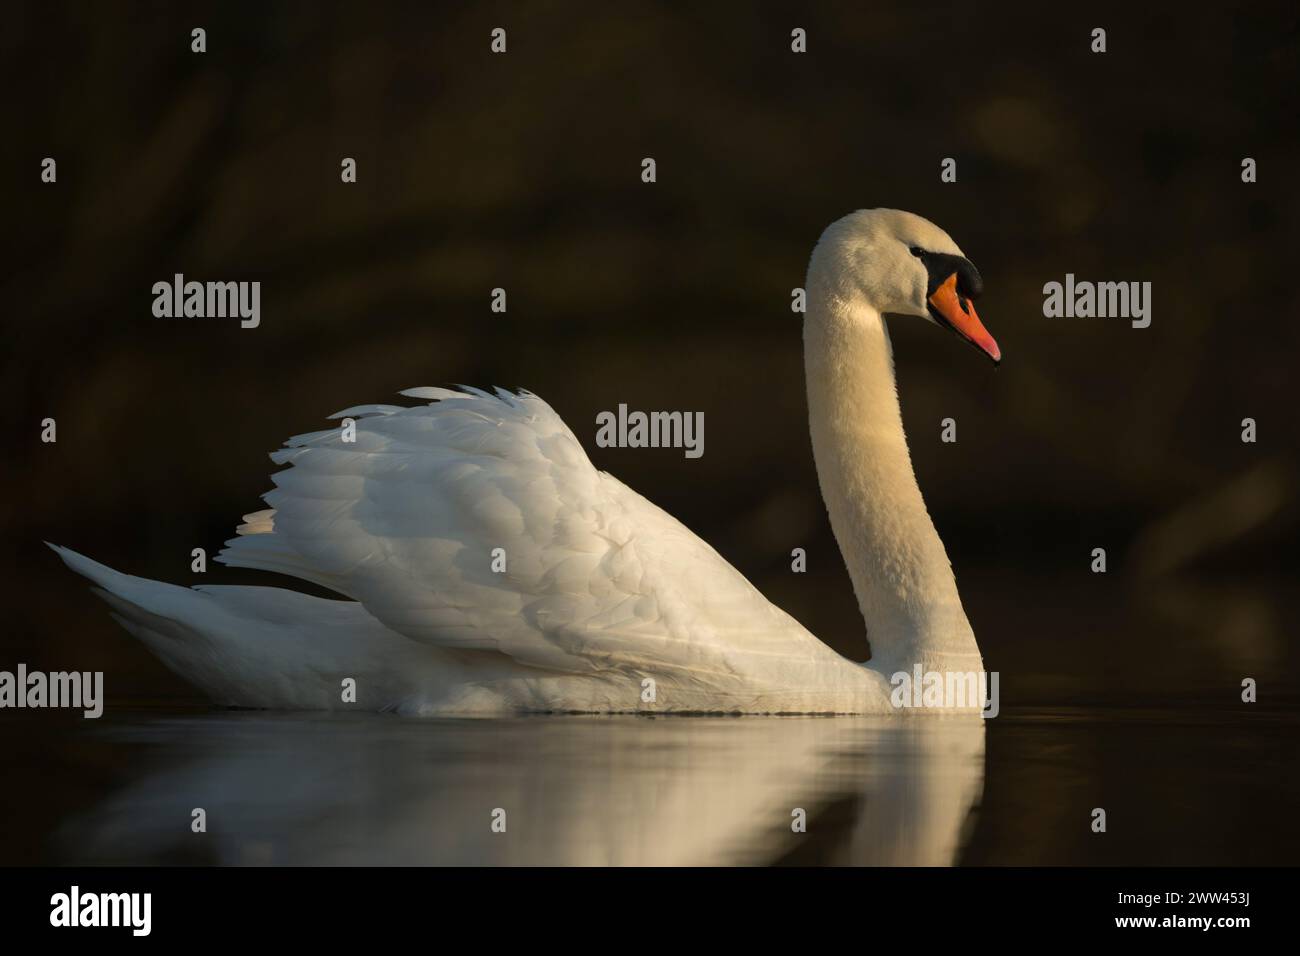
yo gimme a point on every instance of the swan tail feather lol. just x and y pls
(161, 616)
(264, 647)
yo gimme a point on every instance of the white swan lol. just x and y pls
(607, 602)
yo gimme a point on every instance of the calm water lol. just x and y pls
(1179, 788)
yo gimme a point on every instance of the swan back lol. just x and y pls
(476, 523)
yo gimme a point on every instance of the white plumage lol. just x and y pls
(605, 603)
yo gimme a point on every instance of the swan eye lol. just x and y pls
(916, 251)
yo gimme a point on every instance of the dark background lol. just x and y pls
(523, 171)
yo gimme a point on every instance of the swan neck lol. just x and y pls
(900, 571)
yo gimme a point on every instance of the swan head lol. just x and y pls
(901, 264)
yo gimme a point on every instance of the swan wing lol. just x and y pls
(477, 522)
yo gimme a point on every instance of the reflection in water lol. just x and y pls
(330, 789)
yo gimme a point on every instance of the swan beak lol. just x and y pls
(958, 313)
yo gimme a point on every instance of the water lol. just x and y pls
(1178, 788)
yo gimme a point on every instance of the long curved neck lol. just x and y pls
(900, 571)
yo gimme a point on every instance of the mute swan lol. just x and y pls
(607, 603)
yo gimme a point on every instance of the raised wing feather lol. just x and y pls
(409, 517)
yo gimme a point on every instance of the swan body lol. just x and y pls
(490, 568)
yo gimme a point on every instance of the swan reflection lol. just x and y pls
(332, 789)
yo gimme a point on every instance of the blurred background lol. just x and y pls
(523, 171)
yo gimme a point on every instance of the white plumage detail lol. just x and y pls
(490, 568)
(601, 589)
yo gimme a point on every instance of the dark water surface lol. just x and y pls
(1193, 787)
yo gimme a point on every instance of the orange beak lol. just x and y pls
(958, 313)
